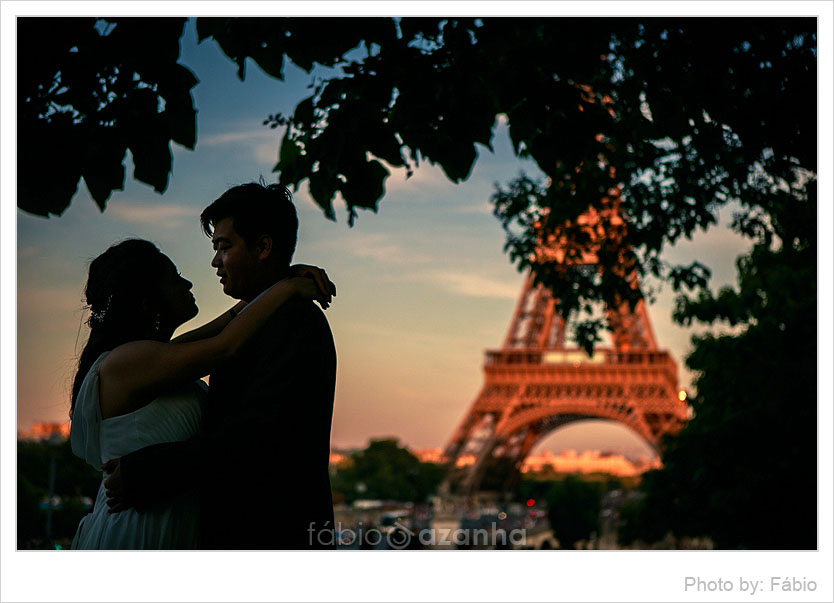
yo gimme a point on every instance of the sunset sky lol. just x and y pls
(424, 286)
(424, 289)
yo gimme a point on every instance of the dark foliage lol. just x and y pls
(74, 479)
(744, 469)
(573, 507)
(681, 114)
(386, 471)
(87, 94)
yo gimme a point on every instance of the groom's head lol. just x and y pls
(253, 229)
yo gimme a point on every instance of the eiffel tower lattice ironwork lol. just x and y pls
(535, 384)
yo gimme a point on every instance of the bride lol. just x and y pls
(135, 386)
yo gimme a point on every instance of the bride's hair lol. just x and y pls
(122, 286)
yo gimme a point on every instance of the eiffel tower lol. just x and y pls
(535, 383)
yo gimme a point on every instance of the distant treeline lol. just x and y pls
(75, 480)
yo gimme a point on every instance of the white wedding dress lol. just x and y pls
(169, 418)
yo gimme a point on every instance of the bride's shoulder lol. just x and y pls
(95, 367)
(126, 355)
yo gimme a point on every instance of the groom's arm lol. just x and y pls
(152, 475)
(293, 363)
(156, 474)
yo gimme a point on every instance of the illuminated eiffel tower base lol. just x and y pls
(535, 384)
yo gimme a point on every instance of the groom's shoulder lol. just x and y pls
(305, 309)
(300, 315)
(297, 330)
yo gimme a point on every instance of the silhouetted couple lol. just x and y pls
(242, 464)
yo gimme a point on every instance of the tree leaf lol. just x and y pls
(103, 168)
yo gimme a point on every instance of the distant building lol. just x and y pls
(589, 461)
(567, 461)
(425, 455)
(429, 455)
(337, 458)
(44, 431)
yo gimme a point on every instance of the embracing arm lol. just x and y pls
(152, 475)
(214, 327)
(210, 329)
(139, 371)
(156, 473)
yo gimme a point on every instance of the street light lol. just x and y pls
(53, 441)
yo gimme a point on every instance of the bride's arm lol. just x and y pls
(210, 329)
(214, 327)
(141, 370)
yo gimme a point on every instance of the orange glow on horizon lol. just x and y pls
(589, 461)
(43, 430)
(465, 460)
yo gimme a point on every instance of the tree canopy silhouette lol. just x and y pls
(681, 114)
(744, 469)
(384, 470)
(89, 90)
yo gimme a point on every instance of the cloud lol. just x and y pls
(381, 253)
(140, 213)
(263, 143)
(267, 153)
(361, 332)
(237, 137)
(483, 207)
(379, 248)
(425, 177)
(474, 285)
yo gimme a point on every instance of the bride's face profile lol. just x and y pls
(178, 302)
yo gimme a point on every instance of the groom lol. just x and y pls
(260, 461)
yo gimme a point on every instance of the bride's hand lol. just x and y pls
(317, 274)
(307, 288)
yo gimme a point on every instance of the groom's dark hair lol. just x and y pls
(257, 209)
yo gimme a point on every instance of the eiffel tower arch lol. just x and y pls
(535, 384)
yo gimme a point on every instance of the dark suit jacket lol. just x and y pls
(261, 458)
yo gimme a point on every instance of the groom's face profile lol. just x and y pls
(237, 264)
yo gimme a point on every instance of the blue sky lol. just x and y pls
(424, 286)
